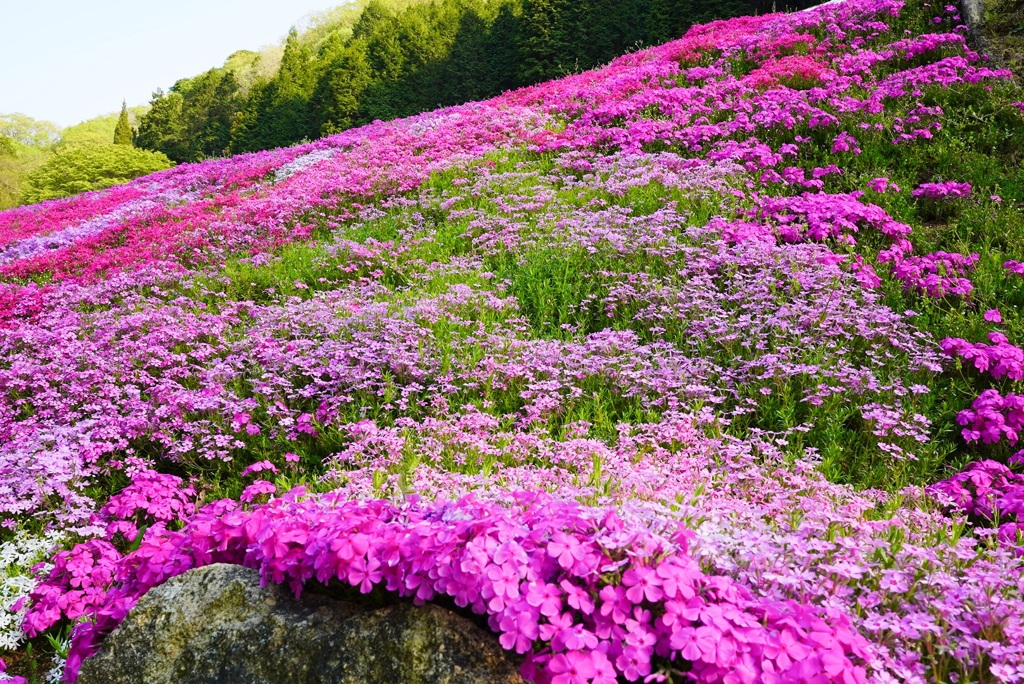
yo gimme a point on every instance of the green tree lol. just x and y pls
(465, 74)
(381, 59)
(9, 178)
(505, 49)
(276, 113)
(17, 161)
(162, 129)
(29, 131)
(427, 34)
(543, 40)
(123, 130)
(669, 19)
(214, 136)
(378, 27)
(79, 168)
(334, 105)
(288, 114)
(193, 121)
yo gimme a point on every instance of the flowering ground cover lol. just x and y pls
(702, 366)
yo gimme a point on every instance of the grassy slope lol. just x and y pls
(1004, 31)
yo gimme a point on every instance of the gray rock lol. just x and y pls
(973, 12)
(215, 625)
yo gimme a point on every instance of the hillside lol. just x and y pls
(701, 366)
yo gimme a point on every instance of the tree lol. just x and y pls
(79, 168)
(465, 73)
(544, 45)
(29, 131)
(123, 131)
(379, 28)
(247, 134)
(276, 113)
(382, 59)
(9, 179)
(288, 115)
(17, 161)
(505, 49)
(334, 105)
(214, 135)
(98, 130)
(161, 130)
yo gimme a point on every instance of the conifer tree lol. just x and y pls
(123, 130)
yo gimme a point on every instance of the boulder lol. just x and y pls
(216, 625)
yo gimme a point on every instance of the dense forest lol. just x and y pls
(384, 59)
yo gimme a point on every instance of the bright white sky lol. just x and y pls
(67, 61)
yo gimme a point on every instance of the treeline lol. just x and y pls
(398, 58)
(39, 161)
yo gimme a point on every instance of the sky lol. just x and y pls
(67, 61)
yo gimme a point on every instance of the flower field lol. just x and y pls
(702, 366)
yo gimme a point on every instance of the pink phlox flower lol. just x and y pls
(259, 467)
(634, 662)
(614, 603)
(1016, 267)
(257, 488)
(879, 185)
(642, 582)
(365, 573)
(696, 643)
(573, 667)
(579, 598)
(545, 597)
(566, 549)
(555, 627)
(519, 628)
(788, 648)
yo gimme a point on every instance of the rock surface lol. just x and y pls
(216, 625)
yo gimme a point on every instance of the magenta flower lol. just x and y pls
(696, 643)
(257, 488)
(567, 550)
(259, 467)
(880, 185)
(642, 583)
(573, 667)
(547, 598)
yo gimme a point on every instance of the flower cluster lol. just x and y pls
(993, 417)
(991, 492)
(939, 274)
(582, 590)
(946, 190)
(150, 498)
(792, 71)
(1016, 267)
(999, 359)
(18, 557)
